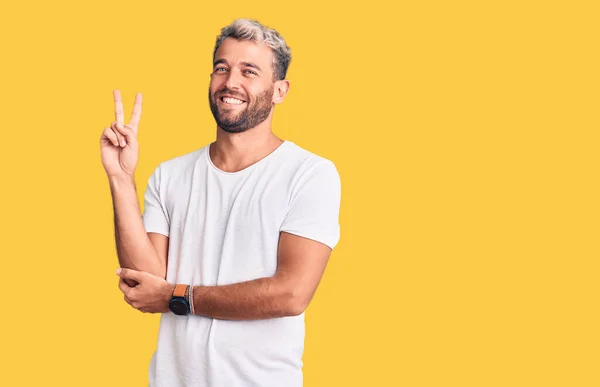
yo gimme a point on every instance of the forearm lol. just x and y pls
(252, 300)
(134, 249)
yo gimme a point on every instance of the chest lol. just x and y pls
(253, 204)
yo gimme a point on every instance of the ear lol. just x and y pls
(280, 90)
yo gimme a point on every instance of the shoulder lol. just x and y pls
(179, 162)
(304, 161)
(308, 168)
(177, 165)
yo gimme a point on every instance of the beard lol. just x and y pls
(256, 111)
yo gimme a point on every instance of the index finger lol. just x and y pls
(119, 113)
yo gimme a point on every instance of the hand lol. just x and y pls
(118, 144)
(151, 294)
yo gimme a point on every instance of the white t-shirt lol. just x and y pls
(223, 228)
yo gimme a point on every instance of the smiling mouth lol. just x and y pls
(232, 101)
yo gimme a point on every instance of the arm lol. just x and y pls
(300, 266)
(136, 249)
(119, 150)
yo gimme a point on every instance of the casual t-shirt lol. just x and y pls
(223, 228)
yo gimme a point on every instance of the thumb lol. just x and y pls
(129, 274)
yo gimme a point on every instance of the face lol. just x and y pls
(241, 91)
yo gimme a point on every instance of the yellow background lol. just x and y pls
(466, 136)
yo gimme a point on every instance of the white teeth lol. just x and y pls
(233, 101)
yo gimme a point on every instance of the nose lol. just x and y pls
(233, 80)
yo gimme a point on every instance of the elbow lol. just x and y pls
(296, 303)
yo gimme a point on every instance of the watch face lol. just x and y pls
(178, 307)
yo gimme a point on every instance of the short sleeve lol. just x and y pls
(155, 216)
(315, 205)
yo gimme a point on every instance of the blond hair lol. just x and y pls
(248, 29)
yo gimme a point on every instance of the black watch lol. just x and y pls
(179, 303)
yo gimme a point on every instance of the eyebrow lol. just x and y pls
(247, 64)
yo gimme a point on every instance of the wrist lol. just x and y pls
(120, 180)
(170, 288)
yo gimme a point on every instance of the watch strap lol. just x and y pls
(180, 290)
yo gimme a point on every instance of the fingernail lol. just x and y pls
(119, 271)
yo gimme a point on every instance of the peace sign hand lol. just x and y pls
(118, 144)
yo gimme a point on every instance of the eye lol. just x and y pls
(217, 70)
(251, 72)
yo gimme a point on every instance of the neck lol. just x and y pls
(232, 152)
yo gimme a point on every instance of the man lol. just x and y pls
(235, 236)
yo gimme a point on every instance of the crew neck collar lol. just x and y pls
(284, 144)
